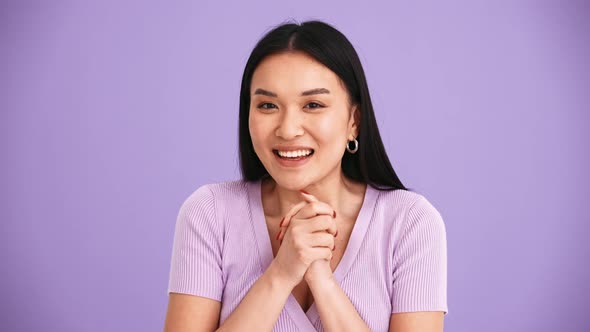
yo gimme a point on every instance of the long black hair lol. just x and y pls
(330, 47)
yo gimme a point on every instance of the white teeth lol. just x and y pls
(294, 154)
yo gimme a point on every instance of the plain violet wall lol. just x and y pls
(113, 112)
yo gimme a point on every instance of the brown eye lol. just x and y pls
(266, 106)
(314, 105)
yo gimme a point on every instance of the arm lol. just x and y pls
(262, 305)
(258, 310)
(423, 321)
(338, 314)
(336, 311)
(191, 313)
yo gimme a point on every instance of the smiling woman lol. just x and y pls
(320, 234)
(304, 104)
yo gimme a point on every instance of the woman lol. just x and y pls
(320, 234)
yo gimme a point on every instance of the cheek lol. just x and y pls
(329, 130)
(258, 132)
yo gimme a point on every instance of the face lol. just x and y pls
(297, 102)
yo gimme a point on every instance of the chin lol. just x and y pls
(292, 182)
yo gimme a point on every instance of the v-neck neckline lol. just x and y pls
(305, 319)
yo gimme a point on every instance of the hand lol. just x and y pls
(312, 210)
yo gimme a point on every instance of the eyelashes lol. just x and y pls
(267, 106)
(318, 105)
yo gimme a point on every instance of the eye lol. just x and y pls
(266, 106)
(314, 105)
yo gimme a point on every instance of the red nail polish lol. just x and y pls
(303, 191)
(334, 213)
(281, 224)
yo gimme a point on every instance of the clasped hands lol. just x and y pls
(307, 235)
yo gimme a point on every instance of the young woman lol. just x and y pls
(320, 234)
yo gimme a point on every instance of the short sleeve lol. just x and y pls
(420, 262)
(196, 263)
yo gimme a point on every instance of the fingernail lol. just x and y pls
(334, 213)
(303, 191)
(281, 225)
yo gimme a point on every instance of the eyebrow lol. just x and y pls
(315, 91)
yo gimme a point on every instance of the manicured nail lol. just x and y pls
(281, 225)
(334, 213)
(303, 191)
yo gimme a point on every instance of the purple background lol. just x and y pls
(113, 113)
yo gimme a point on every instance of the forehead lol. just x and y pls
(293, 72)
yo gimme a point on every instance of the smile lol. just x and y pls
(293, 158)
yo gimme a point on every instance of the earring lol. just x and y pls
(356, 146)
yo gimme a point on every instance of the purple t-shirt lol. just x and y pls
(395, 260)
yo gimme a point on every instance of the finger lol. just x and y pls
(313, 209)
(311, 198)
(287, 219)
(323, 224)
(308, 197)
(323, 239)
(295, 210)
(322, 253)
(291, 213)
(306, 210)
(320, 223)
(323, 208)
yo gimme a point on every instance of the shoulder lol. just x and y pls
(205, 208)
(407, 200)
(217, 193)
(424, 223)
(409, 209)
(399, 197)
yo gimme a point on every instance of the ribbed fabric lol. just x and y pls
(395, 260)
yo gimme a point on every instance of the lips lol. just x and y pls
(292, 162)
(286, 148)
(276, 152)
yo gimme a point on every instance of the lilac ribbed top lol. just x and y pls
(395, 260)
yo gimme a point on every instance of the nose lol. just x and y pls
(290, 123)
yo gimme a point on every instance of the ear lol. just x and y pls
(354, 122)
